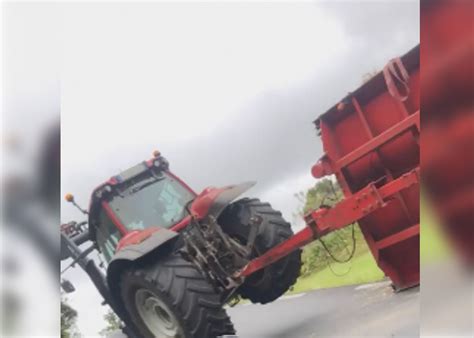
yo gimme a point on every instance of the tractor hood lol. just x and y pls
(212, 201)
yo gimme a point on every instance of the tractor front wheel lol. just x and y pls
(267, 284)
(171, 299)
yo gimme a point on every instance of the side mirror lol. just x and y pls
(67, 286)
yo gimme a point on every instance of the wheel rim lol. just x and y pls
(156, 315)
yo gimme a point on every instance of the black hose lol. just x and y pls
(352, 251)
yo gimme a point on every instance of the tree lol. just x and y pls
(68, 320)
(113, 323)
(325, 192)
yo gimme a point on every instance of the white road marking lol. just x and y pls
(372, 285)
(292, 296)
(281, 298)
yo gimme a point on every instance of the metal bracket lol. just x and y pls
(255, 222)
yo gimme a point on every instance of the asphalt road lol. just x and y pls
(350, 311)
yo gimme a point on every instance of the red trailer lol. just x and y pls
(371, 145)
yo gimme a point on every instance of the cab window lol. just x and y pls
(154, 201)
(108, 236)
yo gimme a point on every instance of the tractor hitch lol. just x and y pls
(217, 255)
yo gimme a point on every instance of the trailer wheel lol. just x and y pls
(270, 283)
(170, 298)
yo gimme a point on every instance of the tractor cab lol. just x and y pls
(136, 202)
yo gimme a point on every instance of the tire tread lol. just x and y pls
(195, 303)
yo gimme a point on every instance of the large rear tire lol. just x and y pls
(270, 283)
(171, 299)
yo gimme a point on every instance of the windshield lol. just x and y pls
(157, 200)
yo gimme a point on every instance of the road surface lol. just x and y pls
(349, 311)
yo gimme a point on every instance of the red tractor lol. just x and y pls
(174, 257)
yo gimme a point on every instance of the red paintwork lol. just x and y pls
(321, 168)
(371, 144)
(412, 121)
(202, 203)
(135, 237)
(298, 240)
(149, 163)
(360, 204)
(113, 217)
(374, 137)
(354, 208)
(112, 181)
(199, 209)
(181, 224)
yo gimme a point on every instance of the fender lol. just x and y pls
(137, 246)
(212, 201)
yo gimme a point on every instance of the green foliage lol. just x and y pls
(362, 269)
(68, 320)
(315, 257)
(319, 270)
(113, 323)
(325, 192)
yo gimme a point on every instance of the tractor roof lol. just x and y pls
(106, 189)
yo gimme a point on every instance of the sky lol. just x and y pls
(227, 92)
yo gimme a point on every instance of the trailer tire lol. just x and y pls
(266, 285)
(170, 298)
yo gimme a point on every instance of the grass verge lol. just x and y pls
(361, 269)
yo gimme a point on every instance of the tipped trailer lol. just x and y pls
(371, 144)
